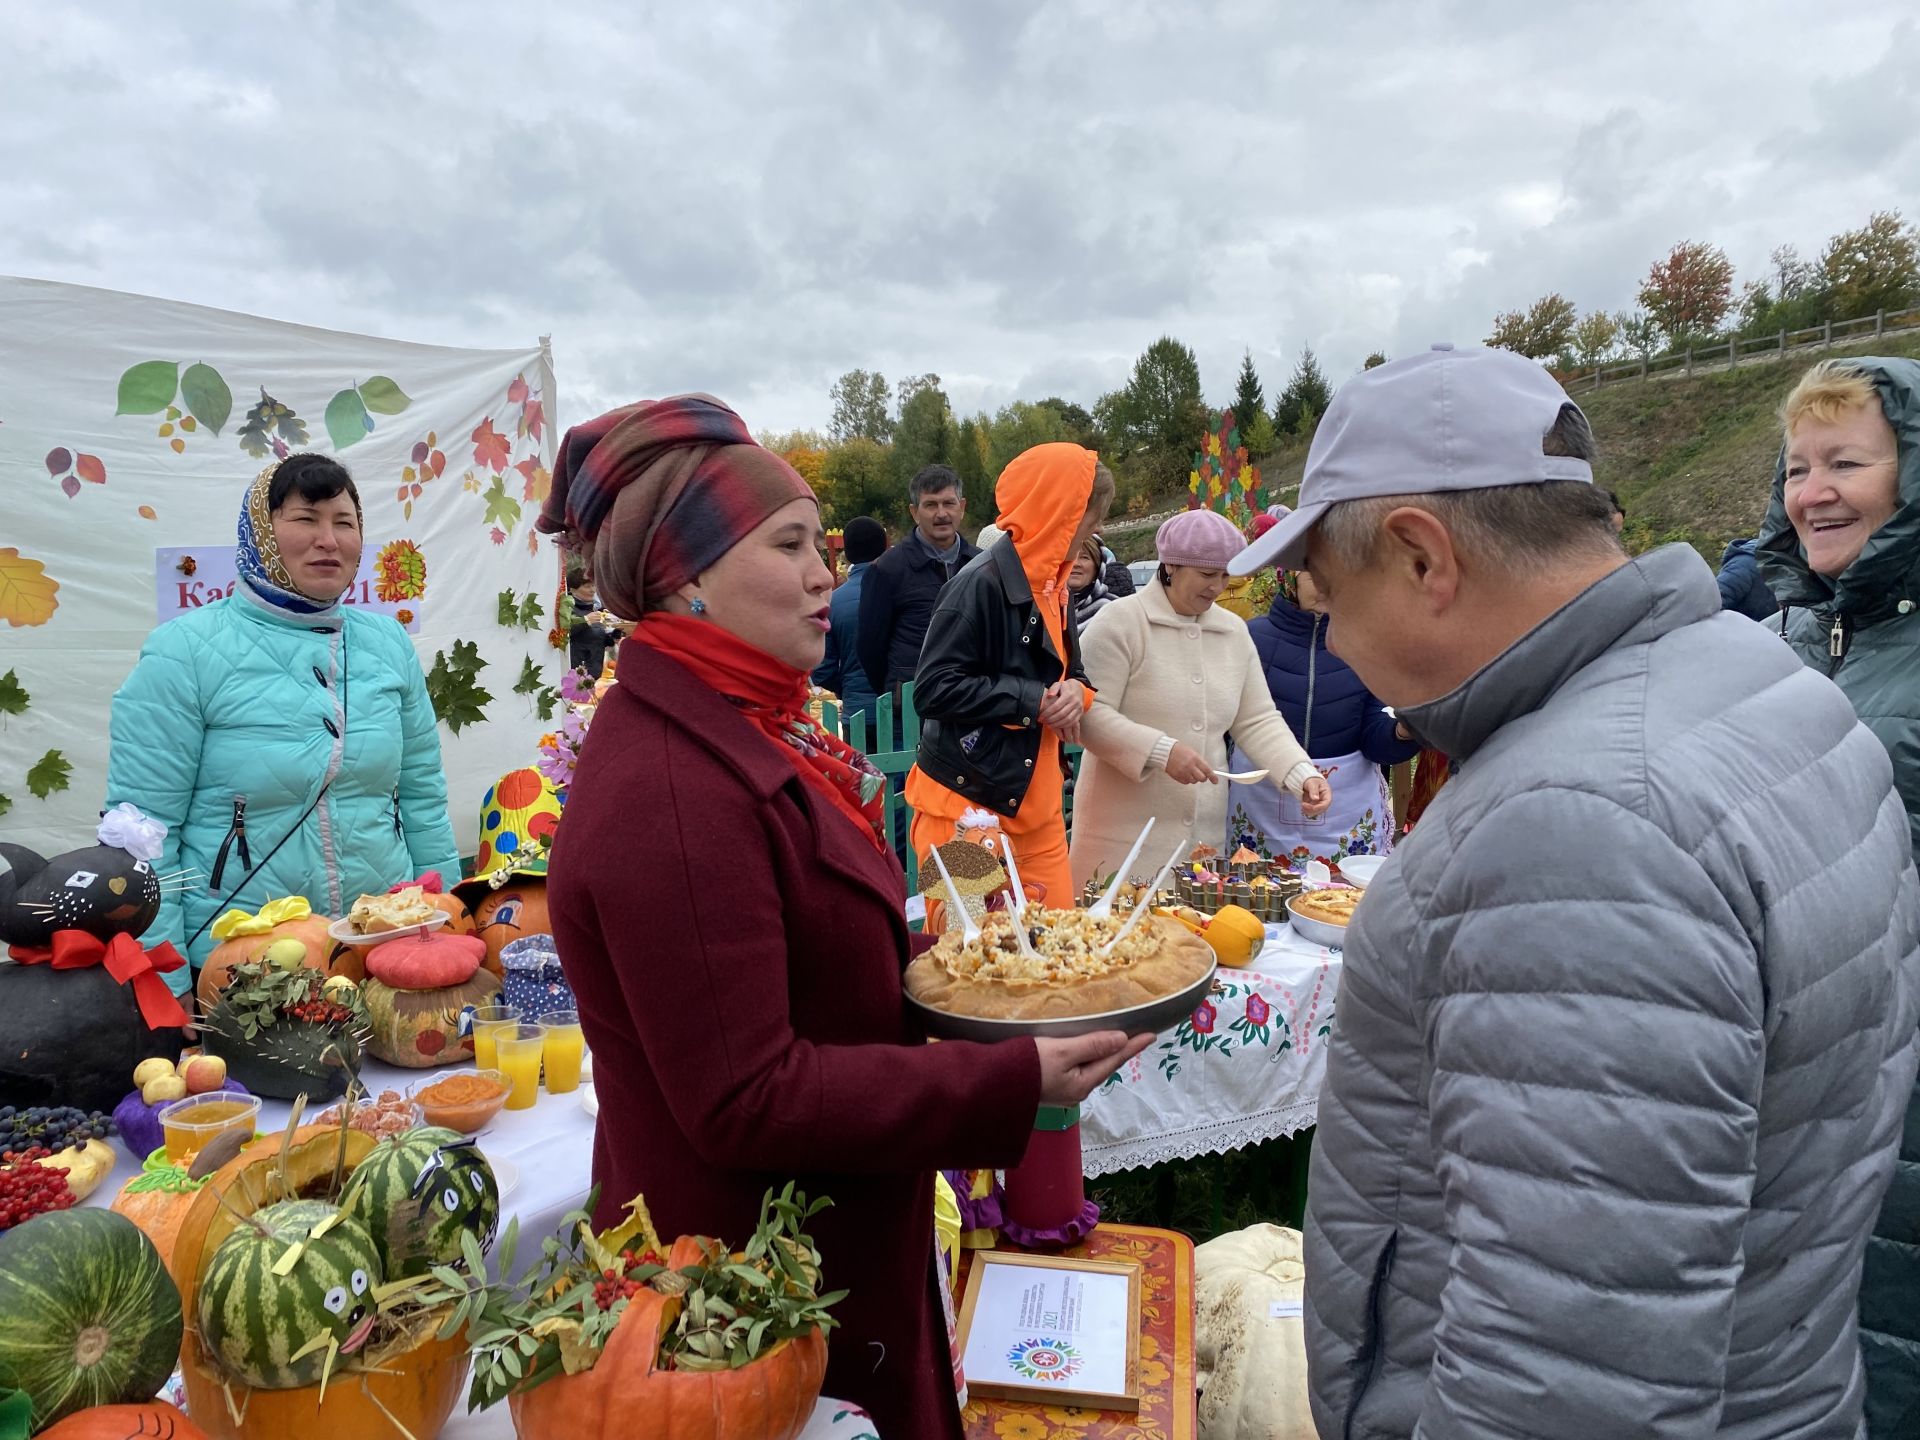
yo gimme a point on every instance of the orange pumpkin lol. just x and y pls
(625, 1394)
(309, 929)
(154, 1420)
(416, 1391)
(157, 1200)
(502, 916)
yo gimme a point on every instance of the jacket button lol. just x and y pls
(1025, 638)
(1196, 724)
(1029, 764)
(1026, 720)
(1198, 679)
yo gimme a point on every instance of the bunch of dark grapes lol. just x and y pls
(51, 1127)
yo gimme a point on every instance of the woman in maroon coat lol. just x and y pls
(730, 915)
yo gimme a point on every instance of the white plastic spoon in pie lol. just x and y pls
(1017, 901)
(1244, 777)
(1146, 904)
(968, 930)
(1103, 907)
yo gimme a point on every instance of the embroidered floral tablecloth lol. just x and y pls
(1167, 1397)
(1246, 1066)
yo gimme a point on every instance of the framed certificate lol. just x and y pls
(1052, 1330)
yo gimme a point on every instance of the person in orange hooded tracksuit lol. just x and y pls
(1000, 689)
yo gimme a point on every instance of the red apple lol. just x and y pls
(203, 1073)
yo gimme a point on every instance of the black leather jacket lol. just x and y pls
(986, 664)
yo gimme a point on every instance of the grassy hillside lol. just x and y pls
(1691, 457)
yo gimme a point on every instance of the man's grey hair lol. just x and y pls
(1528, 529)
(934, 480)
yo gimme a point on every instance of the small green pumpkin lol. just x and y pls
(253, 1321)
(417, 1192)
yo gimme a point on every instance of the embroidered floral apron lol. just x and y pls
(1270, 821)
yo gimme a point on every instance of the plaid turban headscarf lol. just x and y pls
(659, 491)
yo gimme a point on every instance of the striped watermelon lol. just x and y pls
(252, 1321)
(88, 1314)
(417, 1192)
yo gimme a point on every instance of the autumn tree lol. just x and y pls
(1249, 400)
(1019, 427)
(923, 434)
(1638, 332)
(1078, 419)
(1544, 328)
(861, 407)
(1876, 267)
(1689, 293)
(1305, 399)
(857, 476)
(970, 456)
(1374, 361)
(1594, 338)
(1161, 404)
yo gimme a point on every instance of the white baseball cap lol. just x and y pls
(1446, 419)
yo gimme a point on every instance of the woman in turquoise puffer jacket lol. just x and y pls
(285, 739)
(1840, 550)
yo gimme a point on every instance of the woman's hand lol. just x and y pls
(1071, 1069)
(1315, 796)
(1061, 708)
(1185, 766)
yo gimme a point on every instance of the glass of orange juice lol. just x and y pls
(190, 1124)
(563, 1048)
(488, 1022)
(518, 1047)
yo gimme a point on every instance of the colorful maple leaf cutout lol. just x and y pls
(491, 449)
(503, 511)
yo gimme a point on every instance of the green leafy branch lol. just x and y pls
(533, 681)
(453, 685)
(522, 613)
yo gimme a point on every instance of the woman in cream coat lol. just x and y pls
(1173, 675)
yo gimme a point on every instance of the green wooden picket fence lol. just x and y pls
(873, 732)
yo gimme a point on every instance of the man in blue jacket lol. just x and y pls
(897, 601)
(840, 671)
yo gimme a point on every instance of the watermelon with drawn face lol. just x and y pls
(418, 1192)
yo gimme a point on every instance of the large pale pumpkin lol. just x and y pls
(309, 929)
(417, 1390)
(421, 1028)
(624, 1394)
(1256, 1360)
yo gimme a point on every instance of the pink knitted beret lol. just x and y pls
(1204, 538)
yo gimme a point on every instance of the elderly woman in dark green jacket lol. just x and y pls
(1840, 549)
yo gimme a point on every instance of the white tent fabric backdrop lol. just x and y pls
(130, 429)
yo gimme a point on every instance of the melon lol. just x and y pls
(252, 1322)
(417, 1193)
(421, 1028)
(88, 1314)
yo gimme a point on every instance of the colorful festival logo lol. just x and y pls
(1044, 1360)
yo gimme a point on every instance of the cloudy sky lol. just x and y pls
(753, 198)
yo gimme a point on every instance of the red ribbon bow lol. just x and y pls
(126, 960)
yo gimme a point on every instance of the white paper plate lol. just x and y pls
(343, 931)
(506, 1174)
(1360, 869)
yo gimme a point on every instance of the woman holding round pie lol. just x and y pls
(730, 914)
(1173, 674)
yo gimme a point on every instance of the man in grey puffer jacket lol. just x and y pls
(1627, 1024)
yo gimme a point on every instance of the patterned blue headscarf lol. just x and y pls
(257, 556)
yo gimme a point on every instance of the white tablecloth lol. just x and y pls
(1244, 1068)
(543, 1158)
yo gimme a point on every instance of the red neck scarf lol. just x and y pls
(772, 696)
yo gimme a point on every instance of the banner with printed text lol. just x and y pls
(130, 429)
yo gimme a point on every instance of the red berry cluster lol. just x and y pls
(613, 1286)
(28, 1188)
(318, 1012)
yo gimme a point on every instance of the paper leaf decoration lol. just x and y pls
(28, 595)
(50, 775)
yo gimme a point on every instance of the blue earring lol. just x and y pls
(699, 606)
